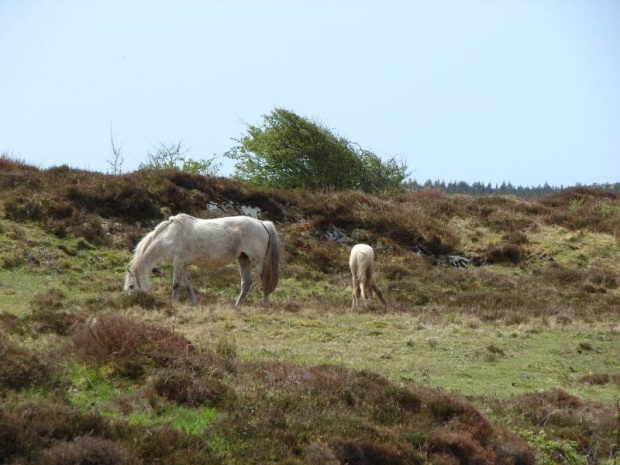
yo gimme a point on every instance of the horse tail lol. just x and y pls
(271, 267)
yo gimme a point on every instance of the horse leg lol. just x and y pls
(177, 278)
(246, 277)
(259, 271)
(188, 285)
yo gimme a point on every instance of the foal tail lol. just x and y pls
(271, 267)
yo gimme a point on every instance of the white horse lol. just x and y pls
(183, 240)
(361, 264)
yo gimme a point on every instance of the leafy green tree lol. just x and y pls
(289, 151)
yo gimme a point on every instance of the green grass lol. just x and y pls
(100, 389)
(70, 265)
(96, 388)
(192, 421)
(455, 355)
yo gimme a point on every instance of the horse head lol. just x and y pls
(132, 283)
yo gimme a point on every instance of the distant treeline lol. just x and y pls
(479, 188)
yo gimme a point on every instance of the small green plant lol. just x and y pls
(172, 156)
(115, 162)
(552, 451)
(575, 205)
(227, 348)
(605, 209)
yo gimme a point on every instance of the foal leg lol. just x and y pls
(367, 291)
(188, 285)
(246, 277)
(356, 293)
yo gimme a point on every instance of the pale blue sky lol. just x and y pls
(526, 91)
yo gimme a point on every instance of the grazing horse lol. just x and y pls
(361, 264)
(214, 243)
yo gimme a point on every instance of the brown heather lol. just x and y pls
(111, 337)
(20, 367)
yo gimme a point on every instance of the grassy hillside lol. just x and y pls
(510, 361)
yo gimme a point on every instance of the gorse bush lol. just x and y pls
(289, 151)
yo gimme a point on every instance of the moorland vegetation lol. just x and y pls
(514, 360)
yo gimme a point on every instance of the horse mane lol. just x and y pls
(146, 241)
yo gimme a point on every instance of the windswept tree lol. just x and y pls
(289, 151)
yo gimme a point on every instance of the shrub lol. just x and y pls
(27, 428)
(113, 337)
(145, 300)
(561, 275)
(51, 299)
(505, 253)
(8, 163)
(87, 450)
(182, 387)
(461, 446)
(25, 208)
(125, 197)
(569, 420)
(20, 368)
(369, 453)
(584, 208)
(601, 379)
(604, 277)
(53, 321)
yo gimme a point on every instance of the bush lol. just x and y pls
(461, 446)
(20, 368)
(51, 299)
(25, 208)
(87, 450)
(182, 387)
(27, 428)
(370, 453)
(505, 253)
(113, 338)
